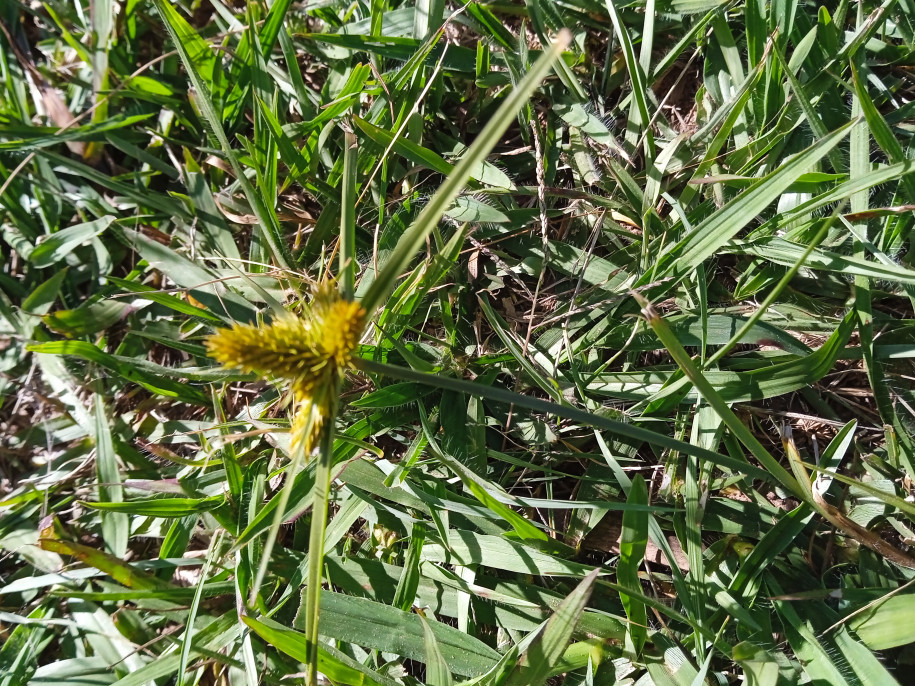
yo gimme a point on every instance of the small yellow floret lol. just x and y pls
(307, 423)
(337, 326)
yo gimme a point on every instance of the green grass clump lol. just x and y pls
(496, 344)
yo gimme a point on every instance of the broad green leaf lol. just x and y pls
(381, 627)
(760, 669)
(334, 665)
(58, 245)
(161, 507)
(887, 624)
(465, 548)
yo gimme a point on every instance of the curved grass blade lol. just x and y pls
(537, 405)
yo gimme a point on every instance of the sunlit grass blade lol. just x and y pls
(412, 239)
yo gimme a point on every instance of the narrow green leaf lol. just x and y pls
(160, 507)
(633, 543)
(542, 655)
(709, 236)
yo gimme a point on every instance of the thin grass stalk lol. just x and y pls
(187, 641)
(347, 276)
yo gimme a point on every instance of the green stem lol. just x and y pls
(316, 538)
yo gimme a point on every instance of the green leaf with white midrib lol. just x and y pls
(115, 526)
(785, 252)
(437, 671)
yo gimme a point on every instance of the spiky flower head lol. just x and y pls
(309, 352)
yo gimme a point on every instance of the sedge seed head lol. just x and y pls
(309, 351)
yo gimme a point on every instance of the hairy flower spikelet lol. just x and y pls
(310, 352)
(307, 423)
(281, 349)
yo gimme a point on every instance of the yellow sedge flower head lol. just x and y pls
(310, 352)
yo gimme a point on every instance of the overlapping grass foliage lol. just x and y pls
(633, 403)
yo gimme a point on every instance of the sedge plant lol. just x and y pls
(311, 353)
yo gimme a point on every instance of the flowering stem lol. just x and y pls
(316, 537)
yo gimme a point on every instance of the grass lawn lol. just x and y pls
(513, 343)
